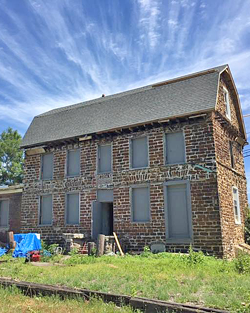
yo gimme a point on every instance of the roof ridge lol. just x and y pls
(133, 91)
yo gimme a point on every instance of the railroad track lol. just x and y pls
(143, 304)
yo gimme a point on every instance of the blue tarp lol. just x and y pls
(2, 251)
(25, 243)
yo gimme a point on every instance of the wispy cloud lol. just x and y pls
(149, 21)
(54, 53)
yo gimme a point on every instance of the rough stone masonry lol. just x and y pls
(208, 169)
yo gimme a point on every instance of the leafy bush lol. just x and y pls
(49, 252)
(146, 252)
(195, 257)
(242, 263)
(74, 251)
(247, 227)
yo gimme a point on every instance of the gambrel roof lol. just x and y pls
(183, 96)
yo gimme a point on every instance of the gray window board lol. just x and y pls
(73, 163)
(47, 166)
(105, 195)
(45, 210)
(178, 213)
(4, 213)
(139, 152)
(104, 160)
(140, 203)
(72, 216)
(175, 148)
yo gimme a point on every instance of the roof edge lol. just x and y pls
(118, 128)
(229, 73)
(217, 69)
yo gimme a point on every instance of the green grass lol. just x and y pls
(12, 300)
(196, 279)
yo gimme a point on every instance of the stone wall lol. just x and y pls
(225, 131)
(200, 170)
(14, 213)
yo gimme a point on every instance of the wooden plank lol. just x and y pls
(144, 304)
(85, 138)
(35, 151)
(118, 244)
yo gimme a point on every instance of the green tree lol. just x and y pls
(11, 157)
(247, 226)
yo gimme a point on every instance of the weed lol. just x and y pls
(193, 278)
(146, 252)
(13, 300)
(242, 263)
(194, 258)
(74, 251)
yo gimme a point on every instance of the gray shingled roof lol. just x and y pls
(178, 97)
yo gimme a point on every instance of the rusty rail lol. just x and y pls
(143, 304)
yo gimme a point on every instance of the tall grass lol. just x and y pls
(192, 278)
(12, 300)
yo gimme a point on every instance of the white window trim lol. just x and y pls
(237, 221)
(227, 103)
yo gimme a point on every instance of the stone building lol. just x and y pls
(10, 210)
(159, 163)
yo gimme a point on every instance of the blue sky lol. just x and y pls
(59, 52)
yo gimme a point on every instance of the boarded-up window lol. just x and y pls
(140, 204)
(177, 212)
(139, 149)
(236, 205)
(4, 213)
(47, 166)
(175, 148)
(72, 209)
(104, 158)
(73, 163)
(231, 153)
(45, 216)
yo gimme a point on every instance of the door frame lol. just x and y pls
(92, 215)
(189, 212)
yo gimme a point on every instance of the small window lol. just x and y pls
(73, 163)
(236, 205)
(4, 213)
(175, 148)
(231, 153)
(45, 214)
(139, 151)
(226, 100)
(140, 204)
(72, 209)
(104, 158)
(47, 166)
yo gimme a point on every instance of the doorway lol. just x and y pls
(102, 219)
